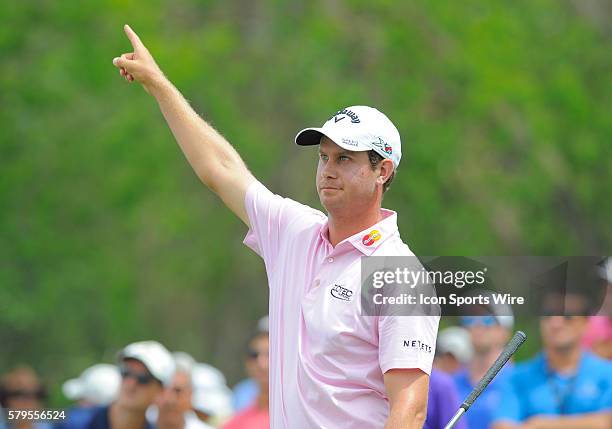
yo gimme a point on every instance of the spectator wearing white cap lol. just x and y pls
(174, 409)
(145, 368)
(97, 386)
(211, 399)
(453, 349)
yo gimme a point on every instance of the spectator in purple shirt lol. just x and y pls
(443, 401)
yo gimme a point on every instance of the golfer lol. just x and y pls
(329, 366)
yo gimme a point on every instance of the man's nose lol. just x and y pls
(328, 170)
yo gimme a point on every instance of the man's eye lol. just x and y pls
(323, 156)
(344, 158)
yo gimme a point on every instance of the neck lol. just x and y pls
(121, 418)
(342, 226)
(563, 360)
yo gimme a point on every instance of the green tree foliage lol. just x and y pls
(106, 236)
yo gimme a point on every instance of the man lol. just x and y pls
(489, 334)
(97, 386)
(329, 367)
(145, 368)
(174, 405)
(247, 390)
(256, 415)
(563, 387)
(21, 389)
(453, 349)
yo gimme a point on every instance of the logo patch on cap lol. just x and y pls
(383, 145)
(371, 237)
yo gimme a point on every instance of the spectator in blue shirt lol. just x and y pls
(563, 387)
(489, 334)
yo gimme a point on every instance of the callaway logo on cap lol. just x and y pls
(358, 128)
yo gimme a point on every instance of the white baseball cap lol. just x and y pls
(211, 394)
(358, 128)
(98, 385)
(456, 341)
(154, 356)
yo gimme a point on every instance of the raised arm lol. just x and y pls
(213, 159)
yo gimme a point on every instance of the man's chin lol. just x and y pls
(329, 201)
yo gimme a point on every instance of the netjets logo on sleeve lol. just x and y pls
(417, 345)
(340, 292)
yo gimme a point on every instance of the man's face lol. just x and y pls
(258, 360)
(138, 387)
(178, 394)
(562, 332)
(485, 332)
(23, 391)
(345, 179)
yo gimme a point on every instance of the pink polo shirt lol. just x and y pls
(326, 360)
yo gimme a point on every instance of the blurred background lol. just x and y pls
(107, 236)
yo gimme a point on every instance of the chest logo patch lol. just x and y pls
(340, 292)
(371, 237)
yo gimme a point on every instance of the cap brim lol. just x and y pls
(309, 137)
(73, 389)
(312, 137)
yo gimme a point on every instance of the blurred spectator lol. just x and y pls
(145, 368)
(21, 389)
(453, 349)
(245, 392)
(443, 401)
(174, 405)
(211, 399)
(97, 385)
(563, 387)
(256, 416)
(598, 336)
(489, 333)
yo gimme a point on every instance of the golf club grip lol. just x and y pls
(517, 340)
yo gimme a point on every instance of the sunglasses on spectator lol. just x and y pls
(566, 317)
(469, 321)
(140, 377)
(24, 394)
(254, 354)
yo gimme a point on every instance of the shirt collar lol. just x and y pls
(370, 239)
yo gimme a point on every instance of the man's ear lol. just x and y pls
(386, 169)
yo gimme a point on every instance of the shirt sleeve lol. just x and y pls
(274, 219)
(407, 342)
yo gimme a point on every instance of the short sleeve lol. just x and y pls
(273, 219)
(407, 342)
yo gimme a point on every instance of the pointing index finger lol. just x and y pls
(134, 39)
